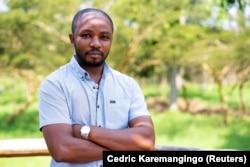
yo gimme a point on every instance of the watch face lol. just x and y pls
(85, 131)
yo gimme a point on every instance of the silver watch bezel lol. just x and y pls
(85, 131)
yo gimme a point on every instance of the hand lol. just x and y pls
(76, 130)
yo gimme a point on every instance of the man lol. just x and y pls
(86, 107)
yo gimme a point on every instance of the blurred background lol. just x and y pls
(191, 58)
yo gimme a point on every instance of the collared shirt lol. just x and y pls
(70, 96)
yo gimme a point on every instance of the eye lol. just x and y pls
(85, 35)
(105, 37)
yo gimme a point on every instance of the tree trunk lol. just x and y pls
(218, 77)
(242, 100)
(243, 77)
(224, 107)
(173, 89)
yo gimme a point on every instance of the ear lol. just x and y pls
(71, 38)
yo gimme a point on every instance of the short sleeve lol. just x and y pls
(138, 105)
(53, 108)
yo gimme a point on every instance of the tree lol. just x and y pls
(160, 36)
(34, 40)
(34, 31)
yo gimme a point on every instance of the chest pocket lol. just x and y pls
(117, 113)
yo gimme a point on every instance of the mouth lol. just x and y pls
(94, 54)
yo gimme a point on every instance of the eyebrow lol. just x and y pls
(101, 31)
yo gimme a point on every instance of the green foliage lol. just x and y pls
(23, 126)
(11, 92)
(34, 34)
(164, 34)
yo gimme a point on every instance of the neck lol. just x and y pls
(95, 72)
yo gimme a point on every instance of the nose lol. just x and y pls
(95, 42)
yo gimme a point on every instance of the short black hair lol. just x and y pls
(88, 10)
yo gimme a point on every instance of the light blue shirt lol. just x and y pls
(70, 96)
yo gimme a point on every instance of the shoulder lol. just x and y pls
(122, 79)
(57, 77)
(121, 76)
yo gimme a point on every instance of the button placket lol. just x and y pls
(99, 110)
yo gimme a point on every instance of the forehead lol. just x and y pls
(93, 19)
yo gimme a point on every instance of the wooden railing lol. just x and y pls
(37, 147)
(23, 147)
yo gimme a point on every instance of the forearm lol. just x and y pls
(82, 151)
(79, 151)
(138, 138)
(64, 147)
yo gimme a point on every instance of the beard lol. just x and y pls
(81, 57)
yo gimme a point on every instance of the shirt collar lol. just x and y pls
(83, 74)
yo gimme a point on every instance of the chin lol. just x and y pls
(94, 64)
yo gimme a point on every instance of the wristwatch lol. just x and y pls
(85, 131)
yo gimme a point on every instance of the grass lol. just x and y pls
(172, 128)
(201, 131)
(42, 161)
(210, 94)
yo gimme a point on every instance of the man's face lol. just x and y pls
(92, 39)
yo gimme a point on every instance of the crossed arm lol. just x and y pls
(66, 144)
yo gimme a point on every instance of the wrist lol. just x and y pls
(84, 131)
